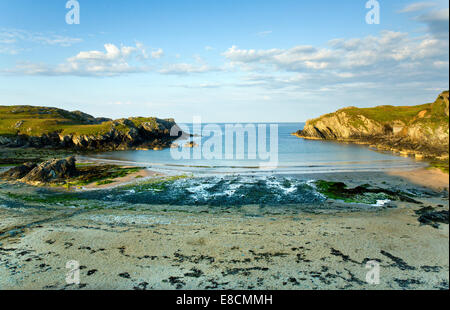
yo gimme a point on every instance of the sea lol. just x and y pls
(264, 148)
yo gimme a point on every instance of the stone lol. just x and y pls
(18, 172)
(51, 170)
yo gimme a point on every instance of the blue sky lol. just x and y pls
(226, 61)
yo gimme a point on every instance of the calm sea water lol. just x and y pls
(294, 156)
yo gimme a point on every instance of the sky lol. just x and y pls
(224, 61)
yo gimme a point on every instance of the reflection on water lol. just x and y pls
(294, 156)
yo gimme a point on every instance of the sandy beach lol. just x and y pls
(432, 178)
(323, 246)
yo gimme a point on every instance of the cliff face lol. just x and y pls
(50, 127)
(422, 130)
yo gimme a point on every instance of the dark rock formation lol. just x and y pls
(428, 216)
(51, 170)
(18, 172)
(26, 126)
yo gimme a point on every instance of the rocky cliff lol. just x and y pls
(27, 126)
(420, 130)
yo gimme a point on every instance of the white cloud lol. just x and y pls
(373, 61)
(112, 61)
(185, 68)
(201, 85)
(10, 39)
(157, 54)
(120, 103)
(437, 22)
(417, 6)
(200, 66)
(264, 33)
(435, 16)
(388, 47)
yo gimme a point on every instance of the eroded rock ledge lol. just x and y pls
(422, 130)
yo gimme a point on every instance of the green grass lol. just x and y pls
(434, 117)
(7, 165)
(387, 114)
(36, 121)
(440, 164)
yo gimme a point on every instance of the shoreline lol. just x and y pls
(157, 246)
(382, 148)
(435, 179)
(428, 177)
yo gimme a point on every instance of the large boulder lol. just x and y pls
(18, 172)
(52, 170)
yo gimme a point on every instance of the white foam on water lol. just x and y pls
(381, 203)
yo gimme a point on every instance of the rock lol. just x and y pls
(428, 216)
(51, 170)
(85, 133)
(411, 130)
(18, 172)
(18, 124)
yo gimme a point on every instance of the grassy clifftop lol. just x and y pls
(421, 129)
(436, 112)
(45, 126)
(37, 121)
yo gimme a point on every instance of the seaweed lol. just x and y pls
(360, 194)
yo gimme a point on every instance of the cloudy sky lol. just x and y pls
(225, 61)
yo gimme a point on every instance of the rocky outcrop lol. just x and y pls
(123, 134)
(18, 172)
(51, 170)
(421, 130)
(39, 127)
(46, 172)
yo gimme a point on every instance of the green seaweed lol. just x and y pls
(105, 182)
(103, 174)
(360, 194)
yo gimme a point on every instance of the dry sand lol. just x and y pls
(432, 178)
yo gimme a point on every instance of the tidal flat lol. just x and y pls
(276, 242)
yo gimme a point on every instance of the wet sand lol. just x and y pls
(129, 179)
(250, 247)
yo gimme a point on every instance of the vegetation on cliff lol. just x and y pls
(51, 127)
(422, 130)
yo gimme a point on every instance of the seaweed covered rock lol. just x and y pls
(428, 216)
(360, 194)
(18, 172)
(51, 170)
